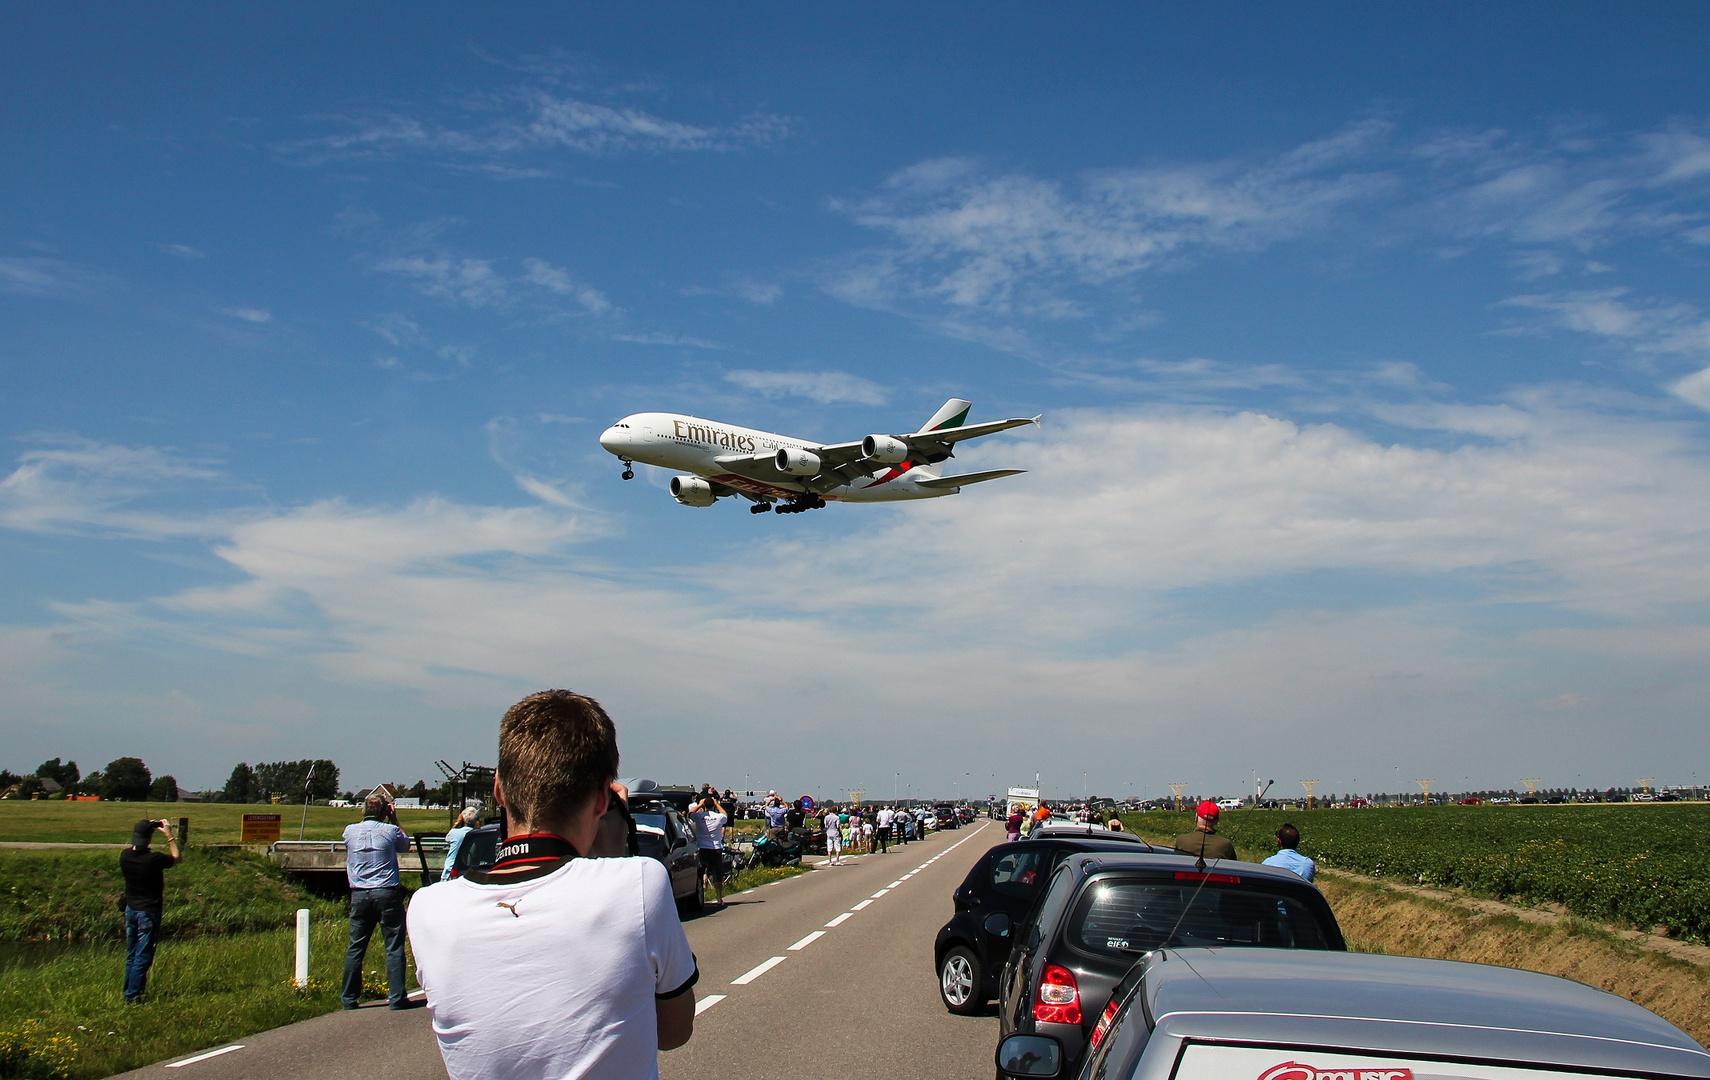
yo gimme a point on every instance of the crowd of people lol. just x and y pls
(491, 946)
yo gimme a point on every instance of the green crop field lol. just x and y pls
(59, 821)
(1641, 865)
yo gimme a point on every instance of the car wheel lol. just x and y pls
(960, 981)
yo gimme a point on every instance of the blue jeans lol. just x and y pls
(367, 907)
(141, 929)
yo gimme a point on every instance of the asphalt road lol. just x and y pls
(827, 975)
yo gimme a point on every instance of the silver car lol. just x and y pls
(1261, 1014)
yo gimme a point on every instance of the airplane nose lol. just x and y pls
(612, 439)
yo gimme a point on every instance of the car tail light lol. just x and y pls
(1059, 998)
(1103, 1026)
(1188, 875)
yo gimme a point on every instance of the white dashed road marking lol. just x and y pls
(805, 942)
(204, 1057)
(862, 906)
(839, 921)
(880, 893)
(758, 970)
(707, 1002)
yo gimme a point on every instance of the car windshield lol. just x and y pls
(1118, 915)
(655, 820)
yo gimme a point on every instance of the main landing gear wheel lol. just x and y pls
(796, 506)
(760, 508)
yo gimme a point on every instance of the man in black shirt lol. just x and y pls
(145, 886)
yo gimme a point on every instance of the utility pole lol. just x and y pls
(1309, 785)
(1178, 788)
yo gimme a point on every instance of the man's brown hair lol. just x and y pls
(557, 749)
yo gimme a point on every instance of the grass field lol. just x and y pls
(225, 959)
(1640, 865)
(59, 821)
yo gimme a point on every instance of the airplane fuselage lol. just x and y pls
(694, 445)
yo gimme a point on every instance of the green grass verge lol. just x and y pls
(65, 895)
(67, 1017)
(743, 880)
(59, 821)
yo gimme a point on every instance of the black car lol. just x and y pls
(1102, 911)
(992, 900)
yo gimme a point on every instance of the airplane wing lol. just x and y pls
(842, 463)
(967, 478)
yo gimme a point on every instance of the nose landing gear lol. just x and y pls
(628, 469)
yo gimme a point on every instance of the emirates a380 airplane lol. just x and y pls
(792, 475)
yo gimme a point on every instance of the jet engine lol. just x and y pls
(797, 462)
(884, 449)
(692, 491)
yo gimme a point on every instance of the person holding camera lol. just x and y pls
(372, 847)
(553, 964)
(145, 897)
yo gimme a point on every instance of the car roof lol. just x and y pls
(1406, 1005)
(1158, 859)
(1056, 832)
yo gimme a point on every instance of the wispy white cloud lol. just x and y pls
(249, 314)
(532, 119)
(75, 485)
(182, 251)
(1648, 326)
(484, 283)
(559, 282)
(667, 339)
(1695, 388)
(1011, 243)
(35, 276)
(825, 387)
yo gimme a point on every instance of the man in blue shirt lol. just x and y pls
(371, 850)
(1288, 857)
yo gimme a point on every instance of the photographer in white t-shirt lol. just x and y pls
(553, 966)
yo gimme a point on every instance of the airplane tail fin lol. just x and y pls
(954, 413)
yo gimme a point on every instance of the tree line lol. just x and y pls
(125, 778)
(129, 779)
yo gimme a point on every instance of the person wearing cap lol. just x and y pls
(145, 889)
(1204, 841)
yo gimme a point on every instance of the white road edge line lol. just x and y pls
(758, 970)
(839, 921)
(861, 906)
(707, 1002)
(805, 942)
(203, 1057)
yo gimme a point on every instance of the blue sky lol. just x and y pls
(1373, 346)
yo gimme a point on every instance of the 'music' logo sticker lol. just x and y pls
(1293, 1070)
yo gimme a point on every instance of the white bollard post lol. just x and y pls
(302, 979)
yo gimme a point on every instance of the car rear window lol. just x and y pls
(1134, 915)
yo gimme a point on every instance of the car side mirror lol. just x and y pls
(997, 924)
(1030, 1055)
